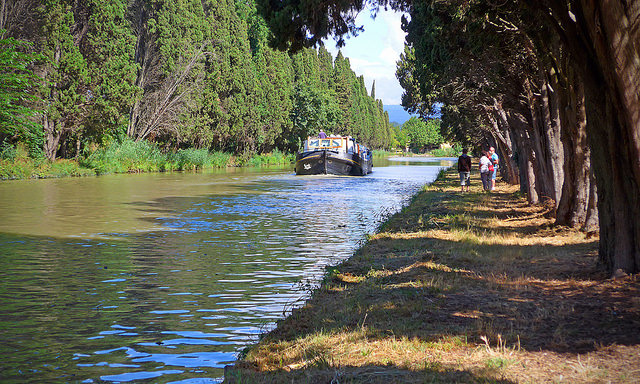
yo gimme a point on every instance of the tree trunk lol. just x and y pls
(505, 146)
(612, 93)
(537, 142)
(3, 15)
(52, 135)
(554, 151)
(142, 53)
(576, 207)
(17, 18)
(525, 157)
(51, 127)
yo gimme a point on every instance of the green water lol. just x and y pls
(167, 277)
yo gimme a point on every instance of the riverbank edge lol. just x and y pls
(23, 167)
(459, 287)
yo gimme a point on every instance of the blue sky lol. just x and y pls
(374, 53)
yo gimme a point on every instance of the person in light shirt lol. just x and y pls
(485, 174)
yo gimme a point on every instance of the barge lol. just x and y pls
(333, 155)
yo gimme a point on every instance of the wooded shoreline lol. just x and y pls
(460, 287)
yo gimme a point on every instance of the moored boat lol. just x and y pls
(334, 155)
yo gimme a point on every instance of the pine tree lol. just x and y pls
(373, 90)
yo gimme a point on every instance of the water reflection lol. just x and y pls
(167, 277)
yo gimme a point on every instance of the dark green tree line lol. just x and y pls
(182, 74)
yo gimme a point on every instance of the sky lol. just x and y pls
(374, 53)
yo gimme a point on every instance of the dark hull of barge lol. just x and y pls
(326, 162)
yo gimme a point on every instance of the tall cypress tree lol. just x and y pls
(17, 83)
(109, 52)
(64, 72)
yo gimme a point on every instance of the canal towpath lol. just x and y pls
(460, 287)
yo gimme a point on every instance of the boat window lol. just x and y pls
(330, 142)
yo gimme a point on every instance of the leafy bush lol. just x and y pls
(421, 133)
(8, 152)
(15, 163)
(127, 156)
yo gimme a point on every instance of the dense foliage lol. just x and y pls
(422, 134)
(17, 84)
(181, 74)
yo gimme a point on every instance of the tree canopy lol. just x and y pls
(422, 134)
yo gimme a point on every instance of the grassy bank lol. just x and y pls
(15, 163)
(129, 157)
(459, 287)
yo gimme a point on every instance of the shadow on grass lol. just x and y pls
(421, 295)
(371, 374)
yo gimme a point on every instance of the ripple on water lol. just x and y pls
(179, 303)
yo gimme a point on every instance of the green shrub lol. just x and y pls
(444, 152)
(220, 159)
(7, 152)
(65, 168)
(127, 156)
(454, 151)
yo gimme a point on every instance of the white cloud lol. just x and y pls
(375, 51)
(389, 56)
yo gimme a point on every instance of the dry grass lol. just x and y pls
(460, 288)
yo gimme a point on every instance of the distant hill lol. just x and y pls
(397, 114)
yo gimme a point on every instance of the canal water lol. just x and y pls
(167, 277)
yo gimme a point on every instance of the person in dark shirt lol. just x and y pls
(464, 169)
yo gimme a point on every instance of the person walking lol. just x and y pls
(464, 170)
(494, 161)
(485, 173)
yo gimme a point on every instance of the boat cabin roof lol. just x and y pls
(344, 143)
